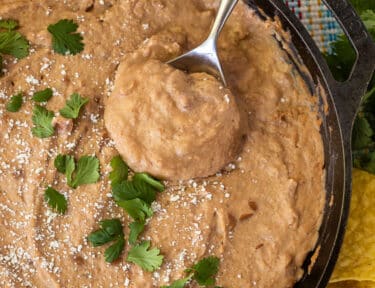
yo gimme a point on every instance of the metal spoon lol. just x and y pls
(204, 58)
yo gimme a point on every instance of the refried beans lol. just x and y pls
(260, 214)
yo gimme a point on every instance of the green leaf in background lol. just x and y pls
(362, 5)
(341, 61)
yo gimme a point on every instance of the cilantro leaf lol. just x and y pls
(64, 40)
(99, 237)
(61, 162)
(73, 106)
(114, 251)
(42, 120)
(13, 43)
(15, 103)
(55, 200)
(136, 228)
(8, 24)
(205, 270)
(143, 177)
(70, 166)
(110, 229)
(87, 171)
(147, 259)
(179, 283)
(112, 226)
(142, 186)
(128, 190)
(43, 96)
(119, 171)
(138, 209)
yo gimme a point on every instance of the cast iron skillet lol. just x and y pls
(342, 100)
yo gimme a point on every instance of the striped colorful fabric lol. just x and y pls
(318, 19)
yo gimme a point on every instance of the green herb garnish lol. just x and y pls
(205, 270)
(138, 209)
(136, 228)
(119, 171)
(147, 259)
(15, 103)
(12, 42)
(86, 171)
(43, 96)
(111, 230)
(9, 24)
(42, 120)
(73, 106)
(179, 283)
(65, 40)
(203, 273)
(55, 200)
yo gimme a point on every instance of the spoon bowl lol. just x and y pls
(204, 58)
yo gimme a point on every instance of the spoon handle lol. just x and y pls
(225, 8)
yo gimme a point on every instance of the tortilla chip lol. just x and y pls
(352, 284)
(357, 257)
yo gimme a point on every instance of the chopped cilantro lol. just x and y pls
(13, 43)
(119, 171)
(64, 39)
(143, 177)
(85, 172)
(136, 228)
(147, 259)
(205, 270)
(15, 103)
(114, 251)
(179, 283)
(55, 200)
(42, 120)
(111, 230)
(43, 96)
(128, 190)
(9, 24)
(203, 273)
(138, 209)
(73, 106)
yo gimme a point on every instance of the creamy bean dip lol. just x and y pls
(260, 214)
